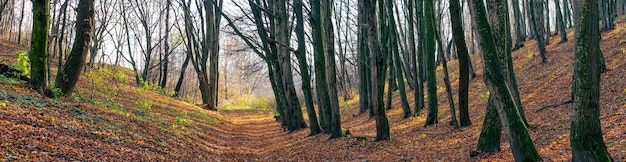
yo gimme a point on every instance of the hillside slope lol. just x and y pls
(110, 119)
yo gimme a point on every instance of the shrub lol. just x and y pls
(145, 105)
(23, 63)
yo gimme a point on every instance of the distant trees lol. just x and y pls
(586, 132)
(66, 80)
(204, 42)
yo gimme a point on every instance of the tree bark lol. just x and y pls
(586, 130)
(461, 49)
(76, 59)
(39, 45)
(430, 63)
(559, 20)
(321, 85)
(377, 67)
(304, 70)
(521, 144)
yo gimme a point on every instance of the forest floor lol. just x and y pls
(111, 119)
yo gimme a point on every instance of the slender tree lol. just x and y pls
(67, 79)
(461, 49)
(535, 12)
(429, 45)
(321, 85)
(304, 70)
(377, 67)
(586, 130)
(560, 22)
(329, 49)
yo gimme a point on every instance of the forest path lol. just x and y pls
(250, 134)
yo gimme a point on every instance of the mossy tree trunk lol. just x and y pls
(429, 46)
(67, 79)
(38, 54)
(521, 144)
(321, 85)
(586, 131)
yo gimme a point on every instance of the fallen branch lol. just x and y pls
(553, 105)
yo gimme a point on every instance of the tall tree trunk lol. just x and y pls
(430, 62)
(321, 85)
(560, 22)
(19, 32)
(212, 28)
(446, 80)
(537, 27)
(329, 42)
(377, 67)
(567, 12)
(461, 49)
(39, 45)
(181, 78)
(61, 35)
(547, 21)
(519, 36)
(76, 59)
(304, 70)
(521, 144)
(363, 64)
(166, 47)
(586, 130)
(419, 66)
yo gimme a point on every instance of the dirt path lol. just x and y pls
(249, 134)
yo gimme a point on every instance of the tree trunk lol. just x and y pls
(363, 63)
(446, 80)
(331, 76)
(61, 35)
(377, 67)
(430, 63)
(502, 34)
(19, 31)
(490, 134)
(461, 49)
(536, 25)
(586, 130)
(321, 85)
(419, 66)
(547, 23)
(304, 70)
(521, 144)
(560, 22)
(519, 36)
(166, 47)
(76, 59)
(39, 45)
(181, 78)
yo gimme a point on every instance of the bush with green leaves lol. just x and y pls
(182, 121)
(22, 64)
(145, 105)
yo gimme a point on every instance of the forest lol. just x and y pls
(316, 80)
